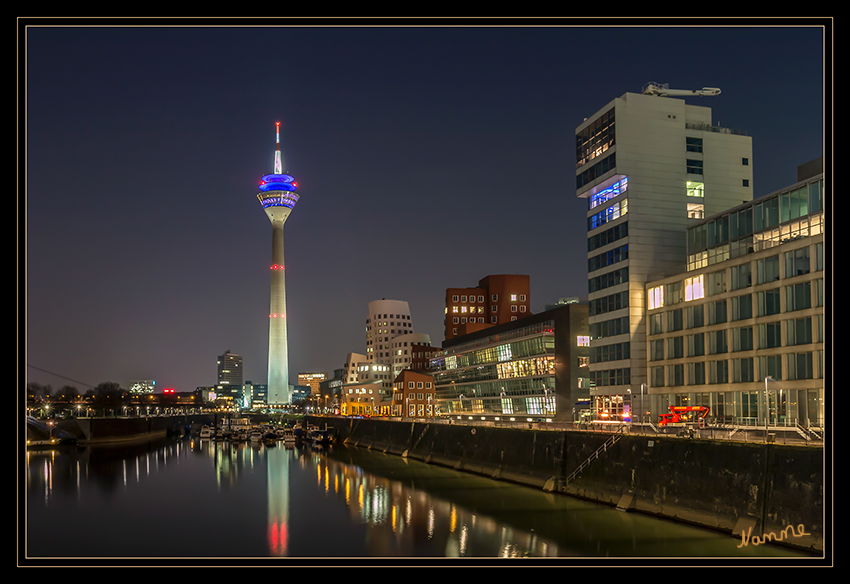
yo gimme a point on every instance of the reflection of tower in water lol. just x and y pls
(279, 460)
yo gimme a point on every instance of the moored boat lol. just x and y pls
(206, 432)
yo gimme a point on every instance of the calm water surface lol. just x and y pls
(186, 498)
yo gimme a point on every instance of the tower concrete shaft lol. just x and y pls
(278, 197)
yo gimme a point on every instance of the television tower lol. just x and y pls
(278, 197)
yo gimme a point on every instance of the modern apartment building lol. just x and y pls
(535, 367)
(496, 300)
(744, 322)
(649, 166)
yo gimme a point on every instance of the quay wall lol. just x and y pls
(130, 429)
(767, 488)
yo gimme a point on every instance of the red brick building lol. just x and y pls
(496, 300)
(414, 395)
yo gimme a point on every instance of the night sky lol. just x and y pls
(426, 158)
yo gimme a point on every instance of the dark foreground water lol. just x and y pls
(204, 502)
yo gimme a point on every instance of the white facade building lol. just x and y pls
(649, 166)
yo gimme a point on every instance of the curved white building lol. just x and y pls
(389, 329)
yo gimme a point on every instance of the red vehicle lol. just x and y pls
(684, 416)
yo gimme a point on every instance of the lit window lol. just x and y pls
(696, 211)
(694, 288)
(513, 297)
(695, 189)
(656, 297)
(583, 341)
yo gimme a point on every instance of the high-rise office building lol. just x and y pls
(278, 197)
(649, 165)
(496, 300)
(229, 370)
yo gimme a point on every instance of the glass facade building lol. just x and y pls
(742, 329)
(532, 367)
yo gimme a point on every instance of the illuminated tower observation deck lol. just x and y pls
(278, 197)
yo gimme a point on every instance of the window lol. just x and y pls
(522, 297)
(656, 350)
(716, 342)
(798, 296)
(797, 262)
(696, 211)
(694, 166)
(674, 320)
(768, 302)
(717, 312)
(771, 365)
(582, 341)
(694, 288)
(696, 345)
(655, 321)
(675, 348)
(800, 366)
(693, 144)
(695, 189)
(799, 331)
(695, 316)
(742, 370)
(742, 339)
(673, 293)
(676, 374)
(656, 297)
(770, 335)
(767, 269)
(742, 307)
(513, 297)
(741, 276)
(696, 373)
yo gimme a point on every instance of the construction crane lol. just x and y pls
(663, 90)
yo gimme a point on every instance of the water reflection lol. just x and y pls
(185, 498)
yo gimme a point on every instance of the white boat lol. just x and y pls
(288, 436)
(255, 436)
(206, 432)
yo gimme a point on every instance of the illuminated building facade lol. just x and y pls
(229, 369)
(414, 395)
(649, 167)
(532, 368)
(141, 387)
(496, 300)
(389, 333)
(749, 307)
(278, 197)
(313, 380)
